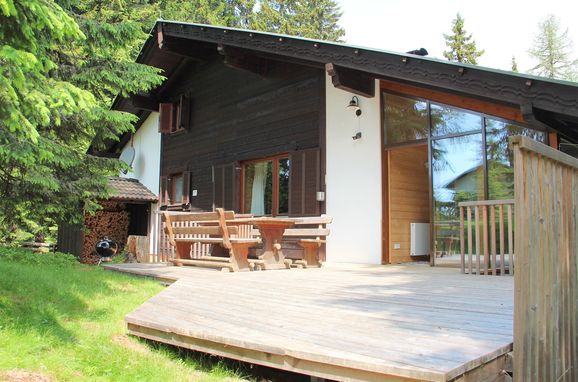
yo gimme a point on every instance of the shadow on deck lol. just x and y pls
(398, 323)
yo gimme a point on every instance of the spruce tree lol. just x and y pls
(461, 47)
(61, 67)
(553, 50)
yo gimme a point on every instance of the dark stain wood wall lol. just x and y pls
(238, 115)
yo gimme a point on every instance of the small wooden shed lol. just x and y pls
(126, 212)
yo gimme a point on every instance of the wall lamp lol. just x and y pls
(354, 105)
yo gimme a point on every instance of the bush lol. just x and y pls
(26, 256)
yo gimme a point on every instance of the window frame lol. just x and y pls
(173, 188)
(275, 180)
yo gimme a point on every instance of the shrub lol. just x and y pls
(26, 256)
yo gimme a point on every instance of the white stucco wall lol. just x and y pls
(353, 179)
(147, 145)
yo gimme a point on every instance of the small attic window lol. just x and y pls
(174, 116)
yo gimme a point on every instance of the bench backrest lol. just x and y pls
(200, 224)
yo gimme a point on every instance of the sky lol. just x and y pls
(502, 28)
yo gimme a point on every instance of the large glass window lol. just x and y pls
(266, 186)
(500, 157)
(447, 120)
(404, 119)
(458, 176)
(464, 166)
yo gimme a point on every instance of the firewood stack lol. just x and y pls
(112, 222)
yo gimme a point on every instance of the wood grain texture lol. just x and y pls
(408, 198)
(407, 325)
(546, 242)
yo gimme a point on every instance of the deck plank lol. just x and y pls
(408, 322)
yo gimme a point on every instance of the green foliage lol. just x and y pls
(26, 256)
(461, 47)
(553, 50)
(308, 18)
(61, 65)
(68, 324)
(305, 18)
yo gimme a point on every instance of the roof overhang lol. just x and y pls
(176, 46)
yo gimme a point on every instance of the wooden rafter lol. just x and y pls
(240, 59)
(352, 81)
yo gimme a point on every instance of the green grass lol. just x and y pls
(65, 320)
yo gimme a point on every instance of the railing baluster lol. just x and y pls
(462, 241)
(478, 241)
(482, 236)
(470, 243)
(502, 242)
(493, 239)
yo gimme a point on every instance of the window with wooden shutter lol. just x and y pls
(164, 191)
(186, 187)
(304, 183)
(185, 113)
(165, 118)
(225, 186)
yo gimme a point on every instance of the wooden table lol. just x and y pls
(271, 230)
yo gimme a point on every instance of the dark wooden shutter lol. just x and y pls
(165, 117)
(226, 186)
(186, 187)
(185, 113)
(304, 182)
(164, 192)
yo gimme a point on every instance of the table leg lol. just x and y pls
(272, 255)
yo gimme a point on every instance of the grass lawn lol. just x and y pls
(65, 322)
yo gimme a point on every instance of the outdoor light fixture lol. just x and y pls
(354, 105)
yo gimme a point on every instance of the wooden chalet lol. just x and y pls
(259, 123)
(407, 154)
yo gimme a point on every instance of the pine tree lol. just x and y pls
(553, 49)
(461, 47)
(57, 79)
(304, 18)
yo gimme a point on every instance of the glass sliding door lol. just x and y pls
(457, 176)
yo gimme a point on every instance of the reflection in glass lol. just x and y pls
(448, 120)
(457, 175)
(500, 157)
(258, 188)
(284, 186)
(404, 119)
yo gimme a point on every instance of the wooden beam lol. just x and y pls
(351, 80)
(184, 47)
(240, 59)
(149, 103)
(495, 109)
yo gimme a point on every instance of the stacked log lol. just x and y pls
(111, 222)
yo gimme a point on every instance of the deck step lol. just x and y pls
(214, 258)
(203, 263)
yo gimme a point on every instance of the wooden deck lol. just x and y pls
(386, 323)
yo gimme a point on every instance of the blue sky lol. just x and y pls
(504, 28)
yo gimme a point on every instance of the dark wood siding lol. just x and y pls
(238, 115)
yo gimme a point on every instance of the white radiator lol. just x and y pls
(419, 239)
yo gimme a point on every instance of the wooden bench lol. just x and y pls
(208, 228)
(310, 233)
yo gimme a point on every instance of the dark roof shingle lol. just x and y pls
(129, 189)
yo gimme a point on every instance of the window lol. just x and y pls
(404, 119)
(265, 188)
(176, 193)
(174, 116)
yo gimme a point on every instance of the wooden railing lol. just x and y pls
(487, 237)
(546, 279)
